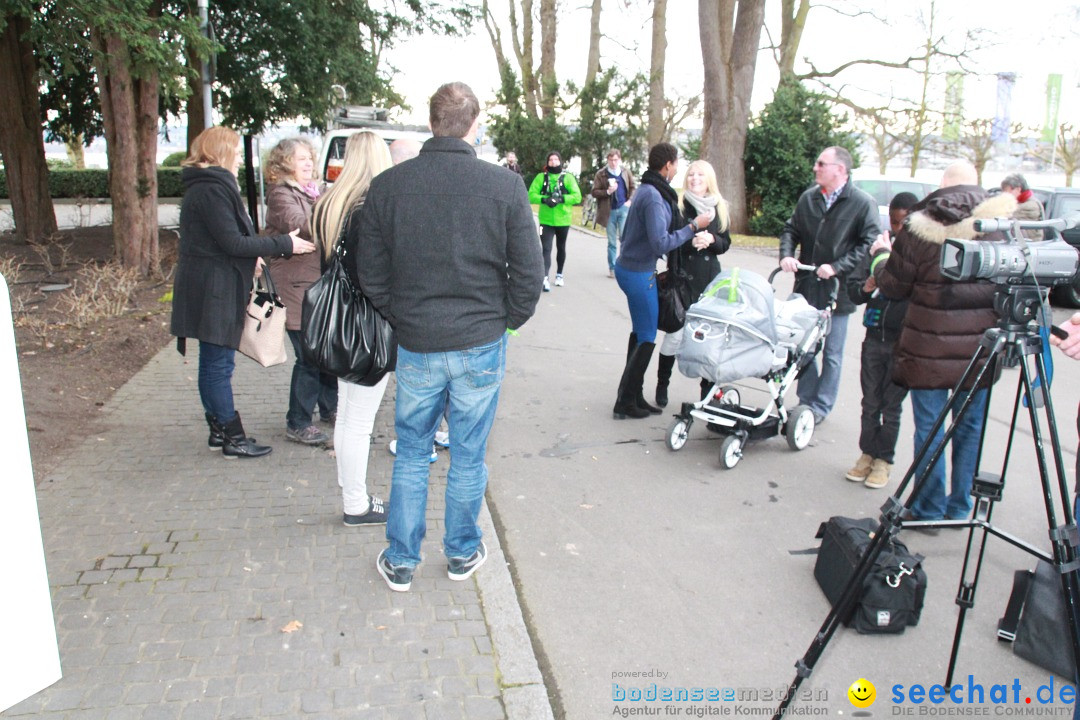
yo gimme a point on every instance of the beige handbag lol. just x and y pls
(263, 339)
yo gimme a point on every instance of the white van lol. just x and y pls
(352, 120)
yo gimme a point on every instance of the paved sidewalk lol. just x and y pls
(175, 574)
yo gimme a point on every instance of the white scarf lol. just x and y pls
(617, 172)
(701, 204)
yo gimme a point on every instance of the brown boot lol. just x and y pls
(879, 474)
(861, 469)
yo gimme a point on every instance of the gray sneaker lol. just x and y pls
(398, 578)
(463, 568)
(310, 435)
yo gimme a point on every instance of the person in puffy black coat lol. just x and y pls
(218, 254)
(699, 261)
(944, 324)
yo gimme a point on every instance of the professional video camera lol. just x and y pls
(1015, 261)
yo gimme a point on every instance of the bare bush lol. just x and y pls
(11, 269)
(99, 291)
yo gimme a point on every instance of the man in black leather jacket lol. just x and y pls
(833, 226)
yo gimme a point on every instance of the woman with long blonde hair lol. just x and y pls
(218, 254)
(699, 259)
(366, 155)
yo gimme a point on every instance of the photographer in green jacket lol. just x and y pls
(556, 192)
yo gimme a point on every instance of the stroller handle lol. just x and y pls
(798, 266)
(834, 281)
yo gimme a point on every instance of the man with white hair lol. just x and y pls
(942, 328)
(404, 149)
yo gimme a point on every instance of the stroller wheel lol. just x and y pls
(677, 433)
(731, 451)
(800, 427)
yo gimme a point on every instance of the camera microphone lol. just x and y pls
(988, 225)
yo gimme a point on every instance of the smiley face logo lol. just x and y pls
(862, 693)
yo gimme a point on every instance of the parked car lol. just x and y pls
(1059, 203)
(883, 189)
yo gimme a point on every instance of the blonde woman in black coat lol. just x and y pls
(218, 254)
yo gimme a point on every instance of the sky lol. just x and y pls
(1031, 42)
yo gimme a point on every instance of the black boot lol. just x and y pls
(217, 435)
(663, 376)
(627, 404)
(237, 444)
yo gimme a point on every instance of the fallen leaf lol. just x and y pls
(292, 627)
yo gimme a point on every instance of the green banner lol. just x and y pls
(1053, 104)
(954, 105)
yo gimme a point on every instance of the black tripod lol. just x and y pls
(1013, 342)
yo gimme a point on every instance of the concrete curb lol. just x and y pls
(524, 693)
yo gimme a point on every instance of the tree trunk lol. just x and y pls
(729, 47)
(524, 53)
(656, 73)
(194, 105)
(549, 84)
(592, 67)
(76, 152)
(21, 143)
(792, 24)
(129, 109)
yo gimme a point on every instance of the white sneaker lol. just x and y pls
(442, 439)
(393, 451)
(547, 285)
(558, 281)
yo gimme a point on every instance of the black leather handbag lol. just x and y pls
(341, 332)
(674, 294)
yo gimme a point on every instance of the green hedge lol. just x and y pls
(94, 183)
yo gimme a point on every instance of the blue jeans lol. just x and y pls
(216, 363)
(640, 290)
(932, 504)
(470, 380)
(818, 390)
(308, 388)
(614, 231)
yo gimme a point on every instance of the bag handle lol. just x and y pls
(265, 282)
(1007, 624)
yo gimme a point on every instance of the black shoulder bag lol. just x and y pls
(673, 291)
(341, 332)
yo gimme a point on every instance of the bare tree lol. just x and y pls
(974, 143)
(592, 66)
(879, 126)
(729, 47)
(549, 84)
(21, 143)
(676, 110)
(656, 131)
(1064, 153)
(521, 37)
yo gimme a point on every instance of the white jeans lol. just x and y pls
(357, 405)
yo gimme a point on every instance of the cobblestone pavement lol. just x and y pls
(176, 576)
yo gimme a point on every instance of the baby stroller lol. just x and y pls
(736, 330)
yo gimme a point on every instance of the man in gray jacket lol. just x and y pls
(447, 252)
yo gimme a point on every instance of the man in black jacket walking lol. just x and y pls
(447, 252)
(833, 226)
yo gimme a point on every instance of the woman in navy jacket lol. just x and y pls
(654, 226)
(217, 265)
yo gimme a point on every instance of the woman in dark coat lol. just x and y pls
(701, 194)
(218, 254)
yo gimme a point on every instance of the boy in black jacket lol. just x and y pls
(882, 398)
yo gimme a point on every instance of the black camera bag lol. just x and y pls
(891, 597)
(1036, 622)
